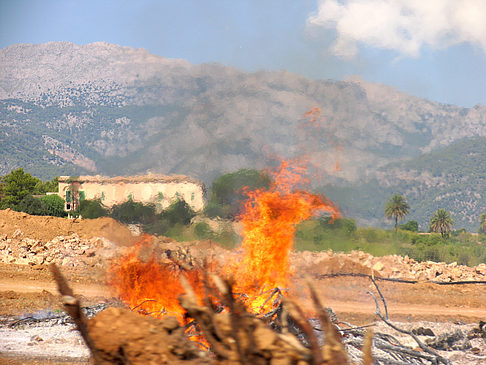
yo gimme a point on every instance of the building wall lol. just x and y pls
(161, 193)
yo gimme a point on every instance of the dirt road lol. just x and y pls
(348, 298)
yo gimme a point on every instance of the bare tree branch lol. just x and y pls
(72, 306)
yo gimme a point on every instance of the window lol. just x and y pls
(103, 196)
(68, 196)
(193, 196)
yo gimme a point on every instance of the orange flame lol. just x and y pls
(269, 222)
(149, 286)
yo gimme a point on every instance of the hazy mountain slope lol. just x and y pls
(102, 108)
(452, 177)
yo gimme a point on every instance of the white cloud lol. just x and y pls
(404, 26)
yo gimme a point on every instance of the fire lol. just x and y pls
(149, 286)
(269, 221)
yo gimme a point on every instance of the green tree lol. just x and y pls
(46, 187)
(16, 186)
(132, 212)
(30, 205)
(92, 209)
(53, 205)
(396, 208)
(482, 223)
(441, 222)
(229, 191)
(178, 212)
(409, 226)
(74, 198)
(172, 219)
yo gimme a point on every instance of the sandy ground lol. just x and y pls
(24, 290)
(27, 289)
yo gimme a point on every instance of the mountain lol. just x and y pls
(105, 109)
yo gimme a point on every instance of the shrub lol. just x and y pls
(171, 221)
(213, 210)
(202, 230)
(53, 205)
(92, 209)
(31, 205)
(409, 226)
(131, 212)
(229, 191)
(344, 225)
(178, 212)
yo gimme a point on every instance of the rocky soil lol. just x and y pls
(83, 250)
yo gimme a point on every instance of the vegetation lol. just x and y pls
(482, 223)
(53, 205)
(229, 191)
(409, 226)
(180, 222)
(396, 208)
(15, 187)
(461, 247)
(171, 221)
(92, 209)
(441, 222)
(17, 190)
(131, 212)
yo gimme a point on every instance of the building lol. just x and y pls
(161, 190)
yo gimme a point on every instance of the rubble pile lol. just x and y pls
(391, 266)
(70, 251)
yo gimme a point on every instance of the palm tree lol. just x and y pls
(441, 222)
(396, 208)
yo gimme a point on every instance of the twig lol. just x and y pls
(274, 291)
(404, 281)
(299, 318)
(145, 301)
(334, 345)
(203, 318)
(353, 328)
(381, 295)
(71, 305)
(417, 340)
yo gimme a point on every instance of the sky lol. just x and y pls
(435, 49)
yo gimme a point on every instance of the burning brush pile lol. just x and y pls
(233, 311)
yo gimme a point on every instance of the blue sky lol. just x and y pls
(434, 49)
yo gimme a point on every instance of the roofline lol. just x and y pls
(131, 179)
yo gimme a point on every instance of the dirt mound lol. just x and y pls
(121, 335)
(19, 303)
(17, 224)
(340, 264)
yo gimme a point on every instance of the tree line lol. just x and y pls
(21, 191)
(441, 222)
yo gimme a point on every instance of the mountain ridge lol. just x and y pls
(103, 108)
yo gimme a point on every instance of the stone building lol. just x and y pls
(161, 190)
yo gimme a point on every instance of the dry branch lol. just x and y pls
(424, 347)
(72, 306)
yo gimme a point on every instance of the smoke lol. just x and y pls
(403, 26)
